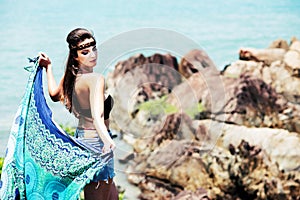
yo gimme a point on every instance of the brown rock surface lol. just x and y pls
(135, 81)
(233, 135)
(172, 164)
(194, 61)
(184, 165)
(243, 100)
(266, 56)
(279, 43)
(279, 144)
(292, 58)
(160, 69)
(199, 194)
(282, 73)
(202, 87)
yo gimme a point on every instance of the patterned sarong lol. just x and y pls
(41, 160)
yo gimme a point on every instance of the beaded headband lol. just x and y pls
(83, 46)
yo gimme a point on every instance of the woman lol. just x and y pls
(82, 92)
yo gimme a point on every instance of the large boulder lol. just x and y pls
(178, 126)
(194, 61)
(292, 58)
(204, 88)
(243, 100)
(282, 73)
(280, 145)
(243, 171)
(247, 163)
(210, 146)
(267, 56)
(158, 68)
(279, 43)
(137, 80)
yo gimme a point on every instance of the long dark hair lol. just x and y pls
(74, 38)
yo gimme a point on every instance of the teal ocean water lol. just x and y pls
(219, 27)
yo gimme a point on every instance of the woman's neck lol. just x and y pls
(85, 70)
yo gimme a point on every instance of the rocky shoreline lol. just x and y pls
(201, 133)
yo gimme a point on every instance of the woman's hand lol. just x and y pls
(108, 147)
(44, 60)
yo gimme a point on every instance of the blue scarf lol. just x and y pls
(41, 160)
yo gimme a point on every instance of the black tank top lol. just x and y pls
(108, 105)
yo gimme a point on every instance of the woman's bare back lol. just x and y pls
(82, 94)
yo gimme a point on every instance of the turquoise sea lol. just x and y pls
(219, 27)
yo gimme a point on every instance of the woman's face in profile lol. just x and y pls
(87, 56)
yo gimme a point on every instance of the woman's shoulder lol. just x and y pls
(94, 78)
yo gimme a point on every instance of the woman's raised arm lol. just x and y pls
(55, 92)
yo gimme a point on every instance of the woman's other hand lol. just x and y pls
(110, 146)
(44, 60)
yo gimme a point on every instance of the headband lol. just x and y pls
(83, 46)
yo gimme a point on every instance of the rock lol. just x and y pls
(135, 178)
(245, 173)
(154, 189)
(209, 148)
(249, 101)
(160, 168)
(160, 69)
(282, 79)
(295, 46)
(292, 60)
(240, 67)
(199, 194)
(282, 146)
(168, 164)
(285, 81)
(198, 90)
(281, 70)
(279, 43)
(177, 126)
(137, 80)
(126, 158)
(267, 56)
(194, 61)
